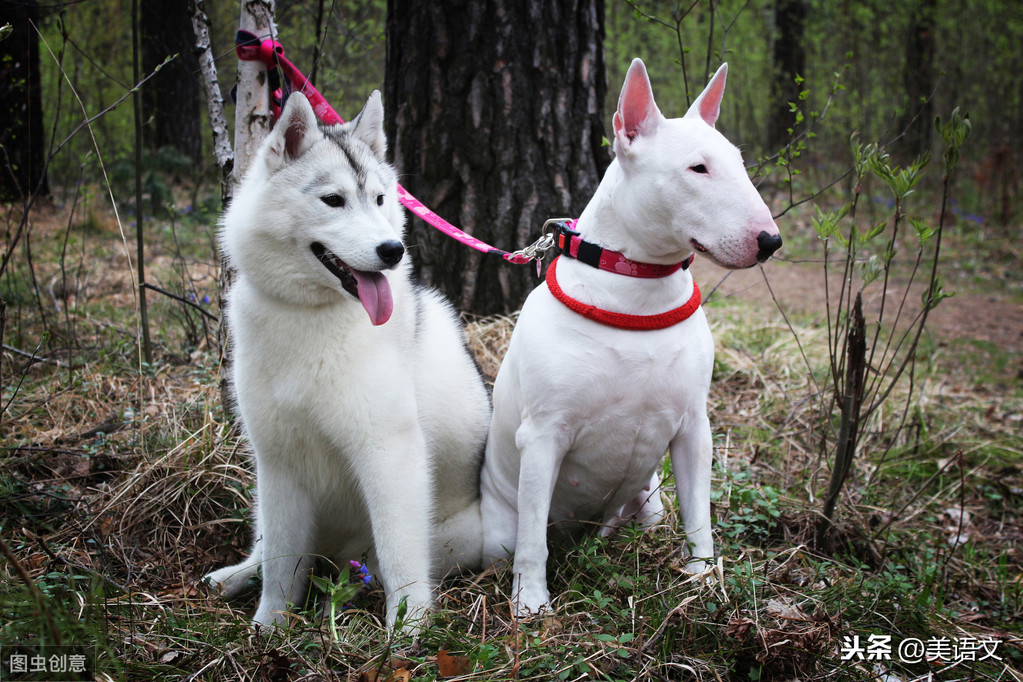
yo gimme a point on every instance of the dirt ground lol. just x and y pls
(799, 288)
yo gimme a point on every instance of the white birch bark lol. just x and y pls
(253, 118)
(214, 99)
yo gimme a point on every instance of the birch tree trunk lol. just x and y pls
(214, 98)
(253, 118)
(494, 119)
(253, 121)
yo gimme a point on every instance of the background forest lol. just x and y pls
(885, 136)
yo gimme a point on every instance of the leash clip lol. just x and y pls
(548, 238)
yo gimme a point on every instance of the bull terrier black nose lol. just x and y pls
(391, 252)
(768, 243)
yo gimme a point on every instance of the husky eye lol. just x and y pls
(380, 200)
(699, 168)
(333, 200)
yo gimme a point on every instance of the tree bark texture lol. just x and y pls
(22, 152)
(493, 118)
(222, 150)
(253, 118)
(851, 406)
(918, 80)
(253, 121)
(170, 99)
(789, 61)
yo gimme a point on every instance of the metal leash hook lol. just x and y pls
(538, 250)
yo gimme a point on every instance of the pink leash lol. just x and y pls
(250, 48)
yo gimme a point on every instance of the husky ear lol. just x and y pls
(637, 113)
(295, 132)
(369, 125)
(708, 105)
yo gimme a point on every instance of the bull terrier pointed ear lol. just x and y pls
(369, 125)
(708, 105)
(295, 132)
(637, 113)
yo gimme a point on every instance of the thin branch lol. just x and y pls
(140, 234)
(929, 302)
(806, 131)
(193, 304)
(815, 195)
(777, 304)
(31, 356)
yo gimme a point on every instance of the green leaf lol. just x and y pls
(874, 231)
(934, 295)
(871, 270)
(923, 231)
(402, 611)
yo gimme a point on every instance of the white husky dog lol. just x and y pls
(606, 372)
(366, 413)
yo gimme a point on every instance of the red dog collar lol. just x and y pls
(622, 320)
(574, 246)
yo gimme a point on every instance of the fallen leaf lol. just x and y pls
(738, 627)
(782, 609)
(399, 675)
(393, 671)
(451, 666)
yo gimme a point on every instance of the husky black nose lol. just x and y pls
(768, 243)
(391, 252)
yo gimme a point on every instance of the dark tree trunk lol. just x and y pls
(171, 99)
(789, 62)
(493, 117)
(918, 80)
(22, 157)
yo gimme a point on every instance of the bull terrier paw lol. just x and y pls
(530, 600)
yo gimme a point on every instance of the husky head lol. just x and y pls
(683, 175)
(317, 215)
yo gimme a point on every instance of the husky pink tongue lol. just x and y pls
(375, 295)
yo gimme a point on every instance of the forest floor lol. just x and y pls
(122, 483)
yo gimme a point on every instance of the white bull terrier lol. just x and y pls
(610, 363)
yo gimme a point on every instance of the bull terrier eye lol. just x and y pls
(333, 200)
(699, 168)
(380, 200)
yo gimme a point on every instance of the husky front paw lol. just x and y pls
(231, 581)
(407, 612)
(270, 617)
